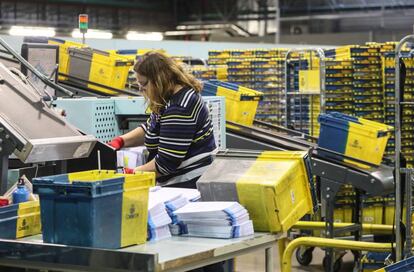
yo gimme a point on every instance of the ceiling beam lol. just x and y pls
(159, 5)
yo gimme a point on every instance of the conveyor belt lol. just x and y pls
(374, 180)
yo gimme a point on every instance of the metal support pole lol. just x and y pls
(357, 220)
(281, 243)
(329, 253)
(328, 194)
(408, 213)
(6, 148)
(397, 128)
(4, 170)
(277, 22)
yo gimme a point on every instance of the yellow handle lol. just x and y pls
(372, 228)
(330, 243)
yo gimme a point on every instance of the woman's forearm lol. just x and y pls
(134, 137)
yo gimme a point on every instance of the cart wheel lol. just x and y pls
(337, 264)
(304, 257)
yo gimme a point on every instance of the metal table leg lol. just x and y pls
(329, 189)
(269, 259)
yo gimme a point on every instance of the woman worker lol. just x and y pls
(179, 133)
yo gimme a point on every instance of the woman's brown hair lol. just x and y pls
(164, 73)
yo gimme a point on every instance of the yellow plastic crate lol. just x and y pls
(354, 137)
(28, 220)
(20, 220)
(275, 187)
(64, 54)
(241, 105)
(372, 214)
(343, 214)
(389, 214)
(99, 70)
(283, 187)
(219, 54)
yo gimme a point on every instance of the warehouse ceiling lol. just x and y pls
(114, 15)
(195, 17)
(238, 9)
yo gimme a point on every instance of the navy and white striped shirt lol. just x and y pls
(180, 138)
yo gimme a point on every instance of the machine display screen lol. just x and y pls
(44, 58)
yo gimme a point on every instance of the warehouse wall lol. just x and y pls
(182, 48)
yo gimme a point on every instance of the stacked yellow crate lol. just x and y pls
(258, 69)
(367, 82)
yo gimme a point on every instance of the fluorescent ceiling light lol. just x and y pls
(93, 34)
(197, 29)
(187, 32)
(203, 26)
(144, 36)
(32, 31)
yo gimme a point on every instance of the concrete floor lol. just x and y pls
(254, 262)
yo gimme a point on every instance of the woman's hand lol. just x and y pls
(117, 143)
(128, 170)
(133, 171)
(148, 167)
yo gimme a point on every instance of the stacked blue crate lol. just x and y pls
(338, 86)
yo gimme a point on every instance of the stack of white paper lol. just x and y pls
(173, 199)
(176, 227)
(159, 233)
(158, 219)
(221, 219)
(157, 215)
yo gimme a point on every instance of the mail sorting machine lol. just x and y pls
(331, 173)
(34, 139)
(30, 131)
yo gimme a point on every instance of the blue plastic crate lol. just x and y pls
(82, 213)
(99, 209)
(354, 137)
(406, 265)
